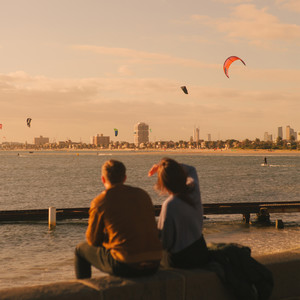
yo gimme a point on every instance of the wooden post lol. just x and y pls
(246, 218)
(52, 217)
(279, 224)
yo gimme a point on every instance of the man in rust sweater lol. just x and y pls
(122, 237)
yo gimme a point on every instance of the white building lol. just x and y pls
(196, 135)
(141, 133)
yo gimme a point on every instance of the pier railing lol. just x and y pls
(244, 209)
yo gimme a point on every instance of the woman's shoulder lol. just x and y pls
(171, 202)
(167, 207)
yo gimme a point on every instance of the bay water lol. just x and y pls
(32, 254)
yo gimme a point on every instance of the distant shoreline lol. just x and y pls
(162, 151)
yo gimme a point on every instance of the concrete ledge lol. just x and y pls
(286, 272)
(61, 290)
(171, 284)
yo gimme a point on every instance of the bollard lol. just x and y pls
(52, 217)
(246, 218)
(279, 224)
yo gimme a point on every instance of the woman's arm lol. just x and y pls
(153, 170)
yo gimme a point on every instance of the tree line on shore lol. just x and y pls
(279, 144)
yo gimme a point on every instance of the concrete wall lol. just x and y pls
(171, 284)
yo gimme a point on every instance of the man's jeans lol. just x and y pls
(100, 257)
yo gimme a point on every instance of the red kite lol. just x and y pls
(228, 62)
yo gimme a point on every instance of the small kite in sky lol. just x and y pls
(184, 89)
(28, 121)
(228, 62)
(116, 131)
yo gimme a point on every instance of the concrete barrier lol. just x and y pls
(285, 267)
(170, 284)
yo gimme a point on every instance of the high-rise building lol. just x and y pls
(280, 132)
(268, 137)
(100, 140)
(196, 135)
(288, 132)
(209, 137)
(141, 133)
(293, 134)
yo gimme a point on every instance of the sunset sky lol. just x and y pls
(84, 67)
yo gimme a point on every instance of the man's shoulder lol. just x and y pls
(127, 191)
(138, 190)
(98, 200)
(135, 188)
(129, 188)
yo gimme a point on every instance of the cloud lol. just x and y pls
(292, 5)
(233, 1)
(132, 56)
(125, 71)
(82, 107)
(254, 25)
(279, 78)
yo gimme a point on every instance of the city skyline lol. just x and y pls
(76, 68)
(145, 130)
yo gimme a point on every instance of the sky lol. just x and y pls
(84, 67)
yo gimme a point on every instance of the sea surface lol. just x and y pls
(32, 254)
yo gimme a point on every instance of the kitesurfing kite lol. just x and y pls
(0, 126)
(28, 121)
(228, 62)
(184, 89)
(116, 131)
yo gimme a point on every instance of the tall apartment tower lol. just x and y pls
(196, 135)
(268, 137)
(288, 132)
(209, 137)
(280, 132)
(293, 133)
(141, 133)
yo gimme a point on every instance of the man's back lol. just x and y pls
(122, 219)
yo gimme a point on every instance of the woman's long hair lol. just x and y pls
(171, 178)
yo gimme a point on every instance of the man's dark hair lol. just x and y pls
(114, 171)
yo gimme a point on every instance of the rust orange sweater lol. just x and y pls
(122, 220)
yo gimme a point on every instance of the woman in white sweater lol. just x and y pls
(181, 219)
